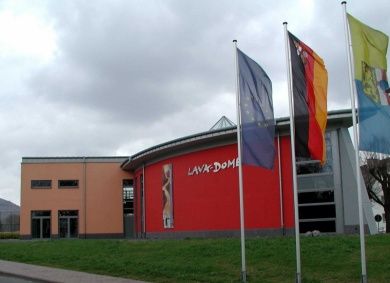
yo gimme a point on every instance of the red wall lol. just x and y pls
(210, 201)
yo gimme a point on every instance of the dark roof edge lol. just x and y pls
(178, 140)
(67, 159)
(280, 122)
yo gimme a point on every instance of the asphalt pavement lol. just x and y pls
(20, 272)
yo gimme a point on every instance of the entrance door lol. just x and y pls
(128, 221)
(40, 224)
(68, 223)
(128, 209)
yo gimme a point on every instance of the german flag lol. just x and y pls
(310, 81)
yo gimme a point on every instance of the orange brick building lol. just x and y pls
(90, 189)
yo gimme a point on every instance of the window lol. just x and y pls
(40, 184)
(316, 192)
(309, 166)
(322, 226)
(317, 211)
(68, 184)
(40, 224)
(68, 223)
(128, 197)
(316, 197)
(128, 193)
(315, 181)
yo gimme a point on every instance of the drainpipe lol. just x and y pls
(143, 202)
(280, 189)
(85, 195)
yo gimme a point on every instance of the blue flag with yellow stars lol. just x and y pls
(257, 114)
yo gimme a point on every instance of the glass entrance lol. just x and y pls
(68, 223)
(40, 224)
(128, 208)
(317, 193)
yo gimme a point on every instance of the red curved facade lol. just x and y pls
(206, 196)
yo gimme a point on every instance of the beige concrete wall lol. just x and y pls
(102, 196)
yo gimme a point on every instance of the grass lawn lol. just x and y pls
(324, 258)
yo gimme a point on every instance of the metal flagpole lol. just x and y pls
(293, 162)
(355, 138)
(280, 188)
(240, 183)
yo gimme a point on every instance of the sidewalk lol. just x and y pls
(49, 274)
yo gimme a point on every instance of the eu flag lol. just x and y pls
(369, 50)
(257, 114)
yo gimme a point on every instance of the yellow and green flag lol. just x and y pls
(369, 51)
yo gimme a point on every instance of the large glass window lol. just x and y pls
(68, 223)
(317, 209)
(40, 224)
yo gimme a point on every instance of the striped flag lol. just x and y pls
(310, 81)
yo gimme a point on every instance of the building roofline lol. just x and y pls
(336, 118)
(74, 159)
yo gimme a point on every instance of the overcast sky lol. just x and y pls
(102, 78)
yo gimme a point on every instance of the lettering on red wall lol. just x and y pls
(213, 167)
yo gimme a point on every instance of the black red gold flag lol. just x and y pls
(310, 82)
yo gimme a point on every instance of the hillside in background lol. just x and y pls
(6, 205)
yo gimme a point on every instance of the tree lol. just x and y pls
(376, 174)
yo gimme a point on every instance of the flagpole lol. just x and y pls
(280, 189)
(240, 183)
(293, 161)
(355, 138)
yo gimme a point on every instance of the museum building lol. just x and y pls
(188, 187)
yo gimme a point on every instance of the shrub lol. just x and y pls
(9, 235)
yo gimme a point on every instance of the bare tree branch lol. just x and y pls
(376, 174)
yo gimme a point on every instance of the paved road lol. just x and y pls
(12, 279)
(48, 274)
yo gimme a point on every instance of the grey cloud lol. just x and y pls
(141, 63)
(130, 74)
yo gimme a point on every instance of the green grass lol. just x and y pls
(324, 259)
